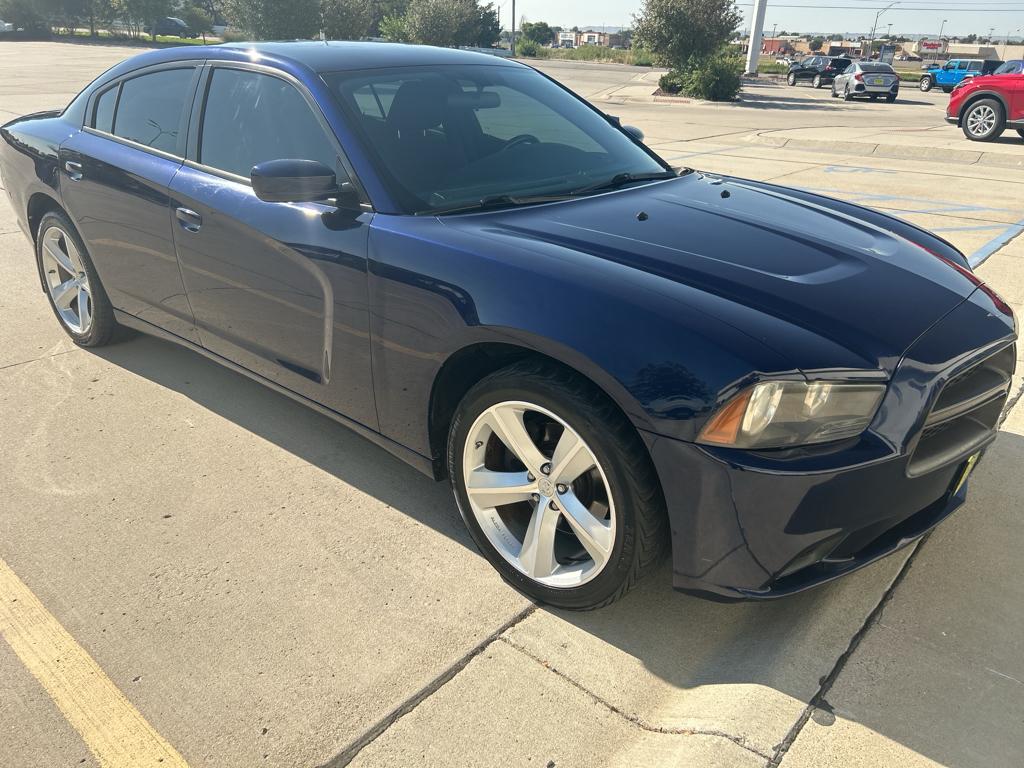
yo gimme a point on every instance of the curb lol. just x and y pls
(892, 151)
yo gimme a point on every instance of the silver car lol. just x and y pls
(867, 78)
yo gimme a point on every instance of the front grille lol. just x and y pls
(966, 413)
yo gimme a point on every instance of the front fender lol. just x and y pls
(644, 340)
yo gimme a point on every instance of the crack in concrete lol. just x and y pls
(36, 359)
(818, 700)
(349, 753)
(635, 720)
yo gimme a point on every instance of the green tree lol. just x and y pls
(680, 31)
(538, 31)
(447, 23)
(25, 14)
(346, 19)
(275, 20)
(197, 18)
(393, 28)
(816, 44)
(488, 27)
(139, 14)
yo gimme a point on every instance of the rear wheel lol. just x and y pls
(72, 285)
(983, 120)
(817, 81)
(925, 83)
(1020, 132)
(847, 95)
(891, 98)
(555, 486)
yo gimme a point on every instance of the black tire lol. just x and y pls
(641, 532)
(847, 96)
(946, 89)
(978, 109)
(925, 83)
(1020, 132)
(102, 323)
(816, 82)
(891, 98)
(791, 79)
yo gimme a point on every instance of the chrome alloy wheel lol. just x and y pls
(67, 280)
(981, 120)
(539, 494)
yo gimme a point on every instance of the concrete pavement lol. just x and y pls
(264, 587)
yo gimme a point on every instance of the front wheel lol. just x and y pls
(847, 96)
(983, 120)
(555, 486)
(791, 79)
(71, 282)
(925, 83)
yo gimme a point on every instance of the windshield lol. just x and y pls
(445, 135)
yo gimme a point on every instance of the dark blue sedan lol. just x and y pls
(467, 264)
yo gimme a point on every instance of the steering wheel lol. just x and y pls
(522, 138)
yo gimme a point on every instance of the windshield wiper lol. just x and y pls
(492, 202)
(620, 179)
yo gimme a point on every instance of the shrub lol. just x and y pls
(528, 48)
(716, 78)
(671, 81)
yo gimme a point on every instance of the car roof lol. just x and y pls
(306, 55)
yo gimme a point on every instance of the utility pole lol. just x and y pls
(756, 35)
(512, 41)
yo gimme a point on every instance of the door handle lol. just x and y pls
(73, 169)
(189, 219)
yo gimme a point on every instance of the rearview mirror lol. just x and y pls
(293, 181)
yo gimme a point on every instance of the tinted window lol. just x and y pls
(251, 118)
(446, 135)
(1008, 68)
(104, 120)
(151, 109)
(877, 68)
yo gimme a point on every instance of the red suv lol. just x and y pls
(985, 106)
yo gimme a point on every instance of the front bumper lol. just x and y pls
(952, 119)
(768, 524)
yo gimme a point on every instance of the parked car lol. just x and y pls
(869, 79)
(173, 27)
(819, 70)
(950, 74)
(986, 106)
(490, 278)
(6, 26)
(908, 57)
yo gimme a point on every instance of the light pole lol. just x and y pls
(871, 42)
(756, 33)
(1006, 40)
(942, 27)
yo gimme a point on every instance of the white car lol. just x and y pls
(867, 78)
(5, 27)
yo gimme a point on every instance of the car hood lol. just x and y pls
(857, 284)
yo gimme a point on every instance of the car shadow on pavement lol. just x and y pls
(937, 671)
(292, 427)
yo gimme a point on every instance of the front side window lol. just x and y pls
(251, 117)
(151, 110)
(451, 134)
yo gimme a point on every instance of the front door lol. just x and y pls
(115, 175)
(278, 288)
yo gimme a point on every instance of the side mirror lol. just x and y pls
(293, 181)
(633, 131)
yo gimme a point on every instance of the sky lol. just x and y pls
(917, 17)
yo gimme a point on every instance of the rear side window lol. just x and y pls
(251, 118)
(151, 110)
(104, 120)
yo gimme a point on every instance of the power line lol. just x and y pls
(943, 9)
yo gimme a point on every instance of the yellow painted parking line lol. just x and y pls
(113, 730)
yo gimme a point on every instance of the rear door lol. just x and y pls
(1015, 85)
(115, 175)
(278, 288)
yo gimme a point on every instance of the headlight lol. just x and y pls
(777, 414)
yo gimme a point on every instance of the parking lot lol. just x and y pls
(197, 571)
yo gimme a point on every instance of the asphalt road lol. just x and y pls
(197, 571)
